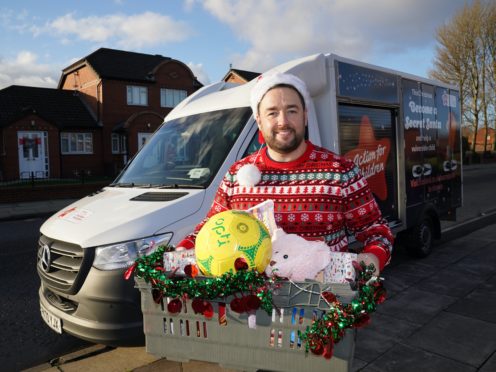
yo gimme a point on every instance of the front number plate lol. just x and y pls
(52, 321)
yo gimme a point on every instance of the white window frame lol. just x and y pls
(119, 143)
(76, 143)
(137, 95)
(171, 97)
(115, 143)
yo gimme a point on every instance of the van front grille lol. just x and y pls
(62, 265)
(60, 303)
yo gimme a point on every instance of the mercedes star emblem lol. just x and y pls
(45, 260)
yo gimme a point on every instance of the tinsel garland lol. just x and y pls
(322, 334)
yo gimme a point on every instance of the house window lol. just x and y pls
(118, 144)
(137, 95)
(76, 143)
(115, 143)
(171, 97)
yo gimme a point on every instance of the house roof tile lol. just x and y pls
(63, 108)
(123, 65)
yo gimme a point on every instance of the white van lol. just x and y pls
(403, 131)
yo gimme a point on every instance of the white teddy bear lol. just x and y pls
(295, 258)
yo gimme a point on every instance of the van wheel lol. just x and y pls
(421, 238)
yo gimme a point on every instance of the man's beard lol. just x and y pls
(285, 147)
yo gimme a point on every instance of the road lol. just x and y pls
(25, 340)
(479, 187)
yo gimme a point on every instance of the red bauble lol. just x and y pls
(316, 347)
(237, 305)
(174, 306)
(328, 350)
(208, 311)
(198, 306)
(191, 271)
(251, 302)
(240, 264)
(329, 297)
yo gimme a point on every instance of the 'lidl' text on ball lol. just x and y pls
(219, 229)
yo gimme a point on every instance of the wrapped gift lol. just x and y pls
(265, 213)
(178, 260)
(340, 269)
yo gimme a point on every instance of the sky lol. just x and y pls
(40, 38)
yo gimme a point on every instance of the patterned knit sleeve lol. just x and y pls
(363, 217)
(220, 204)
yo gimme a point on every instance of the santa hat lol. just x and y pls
(266, 82)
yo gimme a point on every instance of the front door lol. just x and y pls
(33, 155)
(143, 138)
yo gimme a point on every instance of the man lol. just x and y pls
(317, 194)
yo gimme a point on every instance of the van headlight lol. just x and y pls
(123, 255)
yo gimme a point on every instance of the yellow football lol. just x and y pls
(230, 235)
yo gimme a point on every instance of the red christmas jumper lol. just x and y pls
(318, 196)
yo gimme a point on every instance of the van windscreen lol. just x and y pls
(186, 152)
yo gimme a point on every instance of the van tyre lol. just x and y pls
(420, 240)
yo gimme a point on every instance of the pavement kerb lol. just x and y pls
(465, 227)
(38, 209)
(72, 356)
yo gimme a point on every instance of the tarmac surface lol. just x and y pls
(439, 316)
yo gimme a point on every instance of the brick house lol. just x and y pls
(481, 137)
(33, 127)
(119, 99)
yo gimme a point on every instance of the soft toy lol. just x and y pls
(296, 258)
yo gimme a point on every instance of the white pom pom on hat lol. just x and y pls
(249, 175)
(267, 81)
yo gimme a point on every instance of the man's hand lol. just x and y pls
(369, 258)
